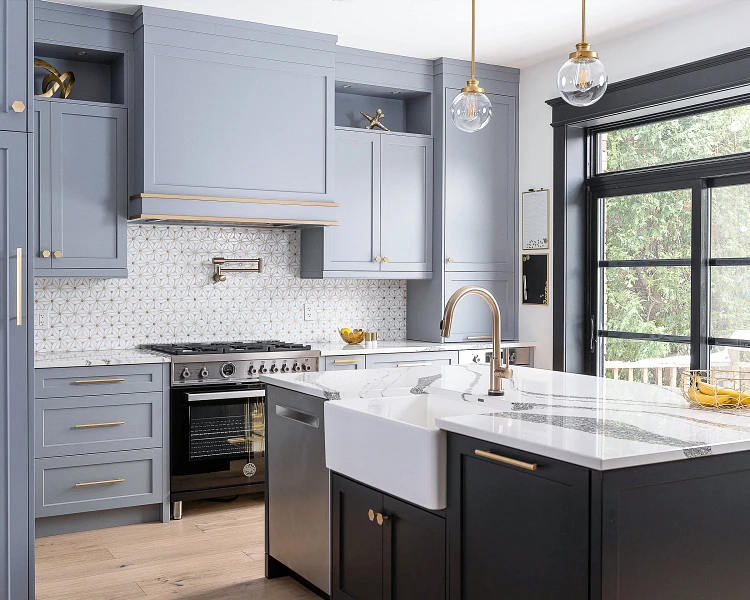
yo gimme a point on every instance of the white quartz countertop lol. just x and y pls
(593, 422)
(48, 360)
(340, 348)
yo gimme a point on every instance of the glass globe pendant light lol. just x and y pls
(471, 109)
(582, 80)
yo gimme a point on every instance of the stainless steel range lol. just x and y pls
(218, 414)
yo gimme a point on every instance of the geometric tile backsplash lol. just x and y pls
(169, 295)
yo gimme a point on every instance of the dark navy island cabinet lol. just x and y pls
(384, 548)
(80, 196)
(15, 95)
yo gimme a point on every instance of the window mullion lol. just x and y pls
(700, 240)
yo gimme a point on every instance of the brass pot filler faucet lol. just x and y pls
(498, 371)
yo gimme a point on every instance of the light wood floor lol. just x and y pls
(214, 553)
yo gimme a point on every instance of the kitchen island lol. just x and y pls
(565, 487)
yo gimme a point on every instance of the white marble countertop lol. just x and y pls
(48, 360)
(339, 348)
(593, 422)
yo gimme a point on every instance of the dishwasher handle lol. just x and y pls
(300, 416)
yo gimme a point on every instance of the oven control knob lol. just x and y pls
(284, 368)
(274, 369)
(306, 367)
(296, 368)
(185, 373)
(253, 371)
(262, 370)
(204, 373)
(228, 370)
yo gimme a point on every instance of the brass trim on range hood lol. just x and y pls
(239, 200)
(230, 220)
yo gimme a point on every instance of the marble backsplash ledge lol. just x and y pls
(169, 295)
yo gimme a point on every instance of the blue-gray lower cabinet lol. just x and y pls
(89, 482)
(411, 359)
(16, 301)
(349, 362)
(100, 447)
(384, 185)
(15, 96)
(81, 162)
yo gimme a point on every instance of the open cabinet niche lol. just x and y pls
(99, 74)
(406, 111)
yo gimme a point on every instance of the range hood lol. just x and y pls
(213, 210)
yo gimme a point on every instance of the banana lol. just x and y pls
(711, 390)
(711, 399)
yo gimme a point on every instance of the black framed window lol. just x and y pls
(668, 202)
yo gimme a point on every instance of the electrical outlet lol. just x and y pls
(41, 319)
(309, 312)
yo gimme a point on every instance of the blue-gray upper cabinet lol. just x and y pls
(220, 125)
(384, 191)
(480, 191)
(15, 85)
(81, 161)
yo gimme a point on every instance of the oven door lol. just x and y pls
(218, 441)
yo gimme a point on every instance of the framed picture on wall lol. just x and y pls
(535, 220)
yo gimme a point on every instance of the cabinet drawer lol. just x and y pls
(97, 381)
(411, 359)
(350, 362)
(80, 425)
(74, 484)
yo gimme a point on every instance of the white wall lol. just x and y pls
(685, 39)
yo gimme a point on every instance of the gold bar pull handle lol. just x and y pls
(88, 381)
(19, 287)
(479, 337)
(104, 482)
(416, 364)
(505, 460)
(340, 361)
(93, 425)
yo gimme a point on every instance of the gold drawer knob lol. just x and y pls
(450, 259)
(385, 259)
(18, 106)
(381, 519)
(46, 253)
(371, 515)
(378, 259)
(58, 254)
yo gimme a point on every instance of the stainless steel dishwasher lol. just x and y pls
(297, 488)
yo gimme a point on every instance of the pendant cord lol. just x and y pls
(583, 21)
(473, 35)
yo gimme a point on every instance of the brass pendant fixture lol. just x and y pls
(471, 109)
(582, 80)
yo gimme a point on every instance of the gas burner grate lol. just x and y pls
(226, 347)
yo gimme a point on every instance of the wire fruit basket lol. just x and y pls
(716, 389)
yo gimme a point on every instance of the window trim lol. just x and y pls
(708, 84)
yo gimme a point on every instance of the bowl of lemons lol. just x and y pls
(352, 336)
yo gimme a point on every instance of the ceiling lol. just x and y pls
(509, 33)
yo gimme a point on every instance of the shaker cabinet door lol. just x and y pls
(357, 542)
(480, 192)
(42, 198)
(15, 351)
(89, 189)
(472, 321)
(514, 533)
(406, 203)
(355, 243)
(15, 100)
